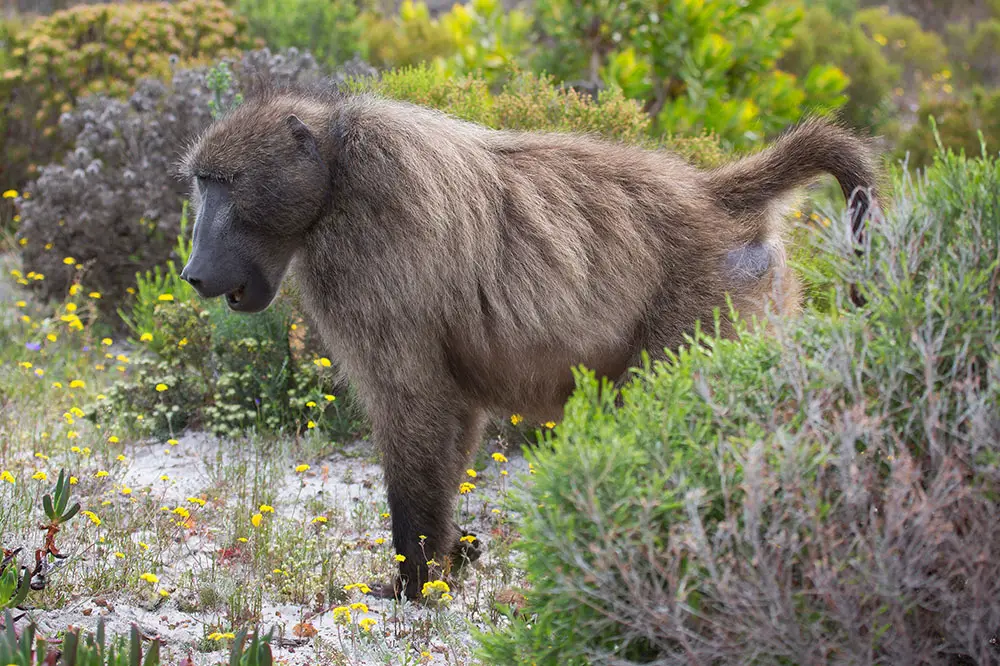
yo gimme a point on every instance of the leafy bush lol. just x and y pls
(331, 30)
(529, 101)
(974, 46)
(106, 49)
(206, 367)
(962, 123)
(695, 65)
(113, 205)
(823, 37)
(825, 494)
(479, 36)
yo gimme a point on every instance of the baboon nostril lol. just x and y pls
(193, 281)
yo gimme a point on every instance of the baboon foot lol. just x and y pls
(467, 550)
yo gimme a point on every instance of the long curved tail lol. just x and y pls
(815, 146)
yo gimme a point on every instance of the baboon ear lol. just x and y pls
(303, 135)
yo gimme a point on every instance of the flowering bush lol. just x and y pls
(693, 65)
(89, 49)
(826, 494)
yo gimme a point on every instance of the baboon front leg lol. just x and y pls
(422, 449)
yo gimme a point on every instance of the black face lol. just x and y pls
(228, 257)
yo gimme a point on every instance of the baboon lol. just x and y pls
(459, 272)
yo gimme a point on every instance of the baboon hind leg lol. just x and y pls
(468, 442)
(419, 439)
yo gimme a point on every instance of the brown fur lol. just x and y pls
(459, 272)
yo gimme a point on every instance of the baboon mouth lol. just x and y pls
(236, 297)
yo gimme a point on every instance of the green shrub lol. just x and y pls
(331, 30)
(106, 48)
(693, 65)
(205, 366)
(920, 53)
(825, 494)
(478, 36)
(974, 47)
(529, 101)
(825, 38)
(962, 123)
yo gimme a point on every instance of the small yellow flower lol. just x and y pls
(101, 473)
(161, 387)
(311, 424)
(145, 337)
(150, 578)
(342, 615)
(550, 424)
(21, 304)
(39, 476)
(39, 372)
(25, 364)
(400, 558)
(466, 488)
(302, 468)
(468, 538)
(106, 342)
(120, 555)
(10, 194)
(361, 587)
(367, 623)
(319, 519)
(266, 508)
(471, 472)
(165, 297)
(379, 541)
(311, 404)
(196, 500)
(113, 439)
(126, 490)
(359, 606)
(51, 337)
(93, 517)
(94, 294)
(435, 586)
(69, 261)
(73, 481)
(446, 597)
(77, 383)
(329, 398)
(516, 418)
(7, 476)
(256, 519)
(172, 442)
(120, 458)
(499, 457)
(182, 512)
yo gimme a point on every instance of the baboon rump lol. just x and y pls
(458, 272)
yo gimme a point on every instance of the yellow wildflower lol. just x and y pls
(161, 387)
(145, 337)
(516, 418)
(7, 476)
(165, 297)
(342, 615)
(400, 558)
(302, 468)
(39, 476)
(150, 578)
(367, 623)
(499, 457)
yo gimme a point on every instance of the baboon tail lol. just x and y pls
(747, 186)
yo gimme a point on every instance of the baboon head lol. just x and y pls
(259, 184)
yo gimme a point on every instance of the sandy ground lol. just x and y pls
(189, 465)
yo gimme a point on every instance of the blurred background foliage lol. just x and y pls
(742, 70)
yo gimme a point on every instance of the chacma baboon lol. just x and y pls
(458, 272)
